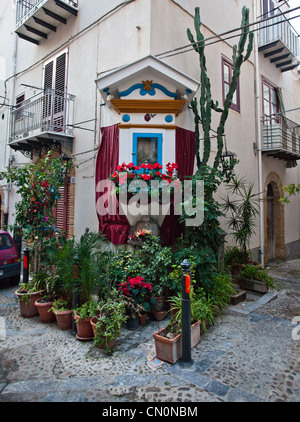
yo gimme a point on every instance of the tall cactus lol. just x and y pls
(206, 102)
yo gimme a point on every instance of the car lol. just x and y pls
(10, 264)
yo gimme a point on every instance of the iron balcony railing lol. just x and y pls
(279, 28)
(25, 8)
(281, 133)
(49, 111)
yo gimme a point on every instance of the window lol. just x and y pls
(268, 7)
(147, 147)
(19, 103)
(5, 242)
(270, 103)
(227, 69)
(55, 90)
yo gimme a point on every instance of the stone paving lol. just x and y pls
(249, 355)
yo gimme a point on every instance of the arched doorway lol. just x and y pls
(270, 223)
(274, 219)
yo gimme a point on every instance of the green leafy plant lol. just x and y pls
(234, 255)
(253, 272)
(202, 309)
(112, 314)
(60, 305)
(38, 186)
(86, 310)
(243, 210)
(220, 291)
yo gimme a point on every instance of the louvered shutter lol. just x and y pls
(48, 78)
(62, 210)
(55, 89)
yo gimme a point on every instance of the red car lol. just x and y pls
(10, 265)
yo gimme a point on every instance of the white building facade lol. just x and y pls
(71, 68)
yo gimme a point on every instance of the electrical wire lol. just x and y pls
(64, 44)
(163, 55)
(224, 39)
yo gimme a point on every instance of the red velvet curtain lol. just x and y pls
(185, 150)
(115, 227)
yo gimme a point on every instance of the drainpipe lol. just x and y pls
(259, 139)
(11, 101)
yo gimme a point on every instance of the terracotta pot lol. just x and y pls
(143, 319)
(160, 302)
(170, 350)
(44, 311)
(84, 329)
(64, 319)
(109, 344)
(27, 306)
(159, 315)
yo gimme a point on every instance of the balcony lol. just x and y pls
(43, 122)
(280, 43)
(281, 138)
(35, 19)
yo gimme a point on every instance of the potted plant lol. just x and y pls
(234, 259)
(44, 304)
(44, 307)
(64, 313)
(220, 291)
(107, 324)
(242, 210)
(255, 278)
(158, 307)
(88, 257)
(133, 310)
(83, 315)
(139, 290)
(28, 293)
(168, 340)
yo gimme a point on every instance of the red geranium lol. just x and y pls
(138, 289)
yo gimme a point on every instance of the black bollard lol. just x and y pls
(186, 358)
(25, 265)
(76, 299)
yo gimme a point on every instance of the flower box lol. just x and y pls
(170, 350)
(253, 285)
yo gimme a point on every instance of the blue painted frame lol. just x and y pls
(159, 137)
(151, 92)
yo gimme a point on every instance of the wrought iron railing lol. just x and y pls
(281, 133)
(279, 28)
(50, 111)
(27, 7)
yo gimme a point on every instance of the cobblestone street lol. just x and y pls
(251, 354)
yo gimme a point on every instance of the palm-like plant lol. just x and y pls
(242, 211)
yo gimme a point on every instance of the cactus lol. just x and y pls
(206, 102)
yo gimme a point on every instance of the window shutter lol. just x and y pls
(62, 210)
(60, 78)
(60, 74)
(48, 76)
